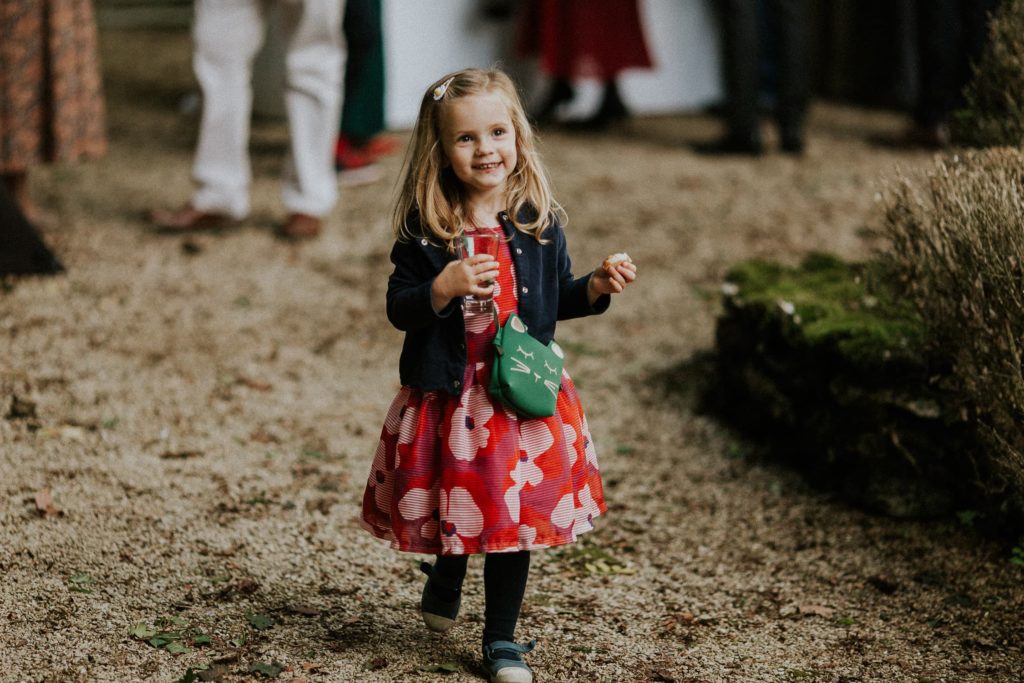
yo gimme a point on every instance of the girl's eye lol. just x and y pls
(498, 132)
(465, 138)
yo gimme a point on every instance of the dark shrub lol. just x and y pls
(994, 115)
(957, 249)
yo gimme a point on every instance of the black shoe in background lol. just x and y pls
(735, 143)
(792, 141)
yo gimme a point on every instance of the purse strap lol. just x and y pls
(498, 337)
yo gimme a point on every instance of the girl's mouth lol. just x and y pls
(488, 167)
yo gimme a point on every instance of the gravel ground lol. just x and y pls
(205, 411)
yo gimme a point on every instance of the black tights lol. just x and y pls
(505, 576)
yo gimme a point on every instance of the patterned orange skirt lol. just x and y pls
(51, 96)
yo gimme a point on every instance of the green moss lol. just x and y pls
(828, 302)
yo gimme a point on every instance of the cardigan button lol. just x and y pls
(456, 384)
(424, 241)
(526, 290)
(519, 251)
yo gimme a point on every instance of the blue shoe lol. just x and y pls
(505, 664)
(439, 615)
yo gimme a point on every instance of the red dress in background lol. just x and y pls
(584, 38)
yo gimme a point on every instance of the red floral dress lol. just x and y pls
(457, 475)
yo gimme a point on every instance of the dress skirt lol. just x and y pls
(456, 475)
(51, 95)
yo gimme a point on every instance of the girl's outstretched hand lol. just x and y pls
(611, 277)
(474, 275)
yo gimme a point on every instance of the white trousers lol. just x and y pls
(227, 35)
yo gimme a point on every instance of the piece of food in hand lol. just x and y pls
(616, 259)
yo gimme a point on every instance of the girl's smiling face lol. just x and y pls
(479, 142)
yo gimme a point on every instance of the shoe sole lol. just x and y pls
(512, 675)
(437, 623)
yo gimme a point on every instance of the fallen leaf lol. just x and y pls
(816, 610)
(21, 408)
(64, 433)
(260, 622)
(190, 677)
(81, 583)
(304, 610)
(262, 436)
(44, 503)
(256, 384)
(180, 455)
(142, 631)
(322, 505)
(269, 670)
(377, 664)
(214, 673)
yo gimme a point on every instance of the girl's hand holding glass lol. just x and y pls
(466, 277)
(477, 245)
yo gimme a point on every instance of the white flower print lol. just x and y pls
(588, 445)
(535, 438)
(419, 503)
(587, 510)
(468, 433)
(461, 518)
(569, 436)
(564, 513)
(527, 536)
(407, 429)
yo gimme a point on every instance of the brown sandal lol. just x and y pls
(301, 226)
(188, 219)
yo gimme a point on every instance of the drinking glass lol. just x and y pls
(474, 243)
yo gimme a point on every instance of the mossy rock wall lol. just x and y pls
(828, 367)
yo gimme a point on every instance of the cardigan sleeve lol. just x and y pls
(409, 305)
(572, 291)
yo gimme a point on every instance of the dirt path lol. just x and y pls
(206, 410)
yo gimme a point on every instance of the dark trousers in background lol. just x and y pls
(362, 113)
(744, 41)
(951, 35)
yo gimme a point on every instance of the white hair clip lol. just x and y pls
(440, 90)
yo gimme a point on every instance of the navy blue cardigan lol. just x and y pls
(434, 352)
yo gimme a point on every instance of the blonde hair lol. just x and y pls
(430, 187)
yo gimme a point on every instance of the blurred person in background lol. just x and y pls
(584, 39)
(360, 139)
(51, 95)
(227, 35)
(746, 33)
(950, 37)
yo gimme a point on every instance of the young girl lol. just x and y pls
(456, 472)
